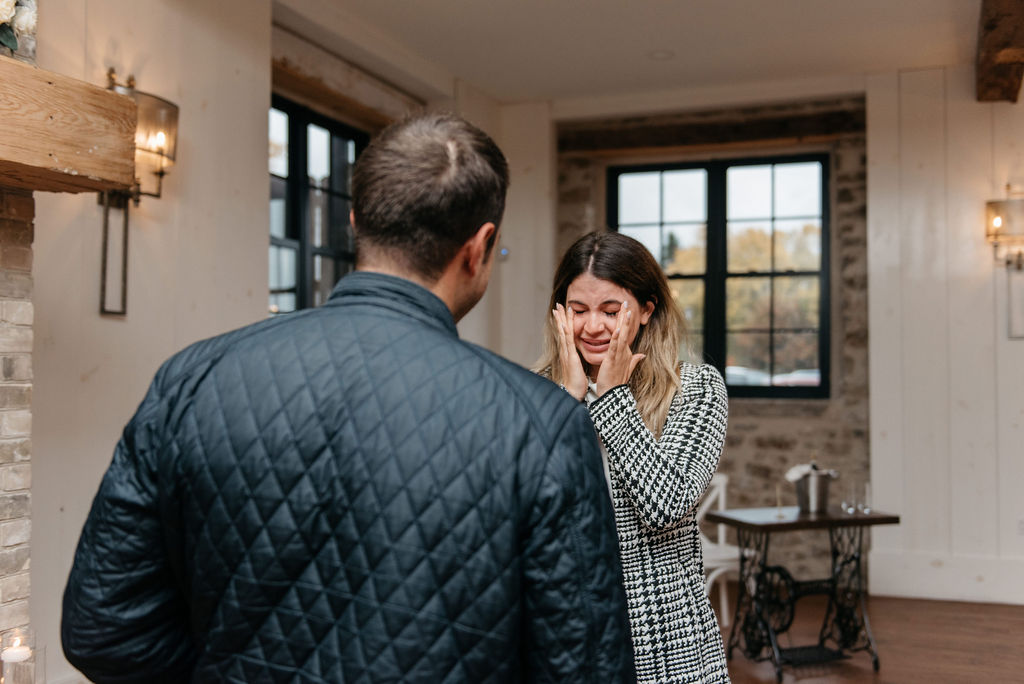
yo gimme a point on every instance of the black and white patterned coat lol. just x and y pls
(656, 485)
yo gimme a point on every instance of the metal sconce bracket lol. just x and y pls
(1015, 302)
(117, 200)
(156, 133)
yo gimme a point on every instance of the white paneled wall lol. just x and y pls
(947, 386)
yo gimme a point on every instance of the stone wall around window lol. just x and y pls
(765, 436)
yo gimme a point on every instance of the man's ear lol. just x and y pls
(352, 219)
(480, 248)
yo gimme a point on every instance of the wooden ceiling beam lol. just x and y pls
(1000, 62)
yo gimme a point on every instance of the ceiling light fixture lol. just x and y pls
(661, 55)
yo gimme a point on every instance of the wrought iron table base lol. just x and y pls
(768, 595)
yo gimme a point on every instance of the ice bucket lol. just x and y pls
(812, 490)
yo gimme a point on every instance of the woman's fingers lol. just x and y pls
(561, 323)
(616, 346)
(613, 343)
(637, 358)
(565, 321)
(574, 379)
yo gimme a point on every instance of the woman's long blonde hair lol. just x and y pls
(627, 263)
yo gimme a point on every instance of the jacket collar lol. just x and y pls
(395, 293)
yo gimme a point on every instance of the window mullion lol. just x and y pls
(714, 287)
(824, 278)
(771, 280)
(298, 199)
(611, 213)
(661, 219)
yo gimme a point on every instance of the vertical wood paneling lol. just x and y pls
(925, 355)
(972, 382)
(885, 311)
(942, 366)
(1008, 128)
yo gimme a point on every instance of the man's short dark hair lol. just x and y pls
(423, 187)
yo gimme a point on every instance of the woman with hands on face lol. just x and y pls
(597, 326)
(613, 340)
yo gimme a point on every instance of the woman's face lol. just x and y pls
(597, 305)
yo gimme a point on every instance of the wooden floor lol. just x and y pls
(918, 641)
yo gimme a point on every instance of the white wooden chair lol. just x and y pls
(720, 558)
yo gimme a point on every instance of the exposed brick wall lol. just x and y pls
(765, 437)
(17, 211)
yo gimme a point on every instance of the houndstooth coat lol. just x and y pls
(655, 488)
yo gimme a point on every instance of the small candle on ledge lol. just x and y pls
(778, 501)
(16, 653)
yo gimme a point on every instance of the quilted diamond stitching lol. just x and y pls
(386, 581)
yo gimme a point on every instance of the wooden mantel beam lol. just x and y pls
(59, 134)
(1000, 64)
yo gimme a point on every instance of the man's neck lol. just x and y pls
(443, 288)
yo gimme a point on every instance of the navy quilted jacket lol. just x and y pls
(350, 494)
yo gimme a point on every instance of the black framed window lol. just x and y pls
(311, 247)
(745, 249)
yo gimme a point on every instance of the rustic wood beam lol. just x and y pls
(311, 92)
(312, 76)
(1000, 63)
(59, 134)
(642, 134)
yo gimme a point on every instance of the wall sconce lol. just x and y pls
(156, 141)
(1004, 228)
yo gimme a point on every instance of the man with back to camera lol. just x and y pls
(351, 493)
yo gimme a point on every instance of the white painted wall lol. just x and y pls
(528, 140)
(482, 325)
(510, 317)
(947, 385)
(198, 256)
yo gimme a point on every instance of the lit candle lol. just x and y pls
(778, 497)
(16, 653)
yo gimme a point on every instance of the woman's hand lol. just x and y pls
(575, 380)
(619, 362)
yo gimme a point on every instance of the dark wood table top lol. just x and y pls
(789, 518)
